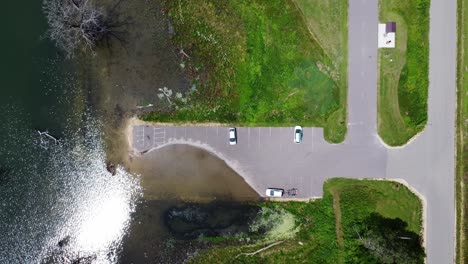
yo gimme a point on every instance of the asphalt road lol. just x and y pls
(267, 157)
(428, 163)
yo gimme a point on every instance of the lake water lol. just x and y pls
(60, 204)
(62, 194)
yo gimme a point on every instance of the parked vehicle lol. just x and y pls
(232, 136)
(297, 134)
(274, 192)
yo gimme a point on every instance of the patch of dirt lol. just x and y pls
(337, 211)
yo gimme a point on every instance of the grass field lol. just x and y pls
(403, 71)
(323, 223)
(462, 134)
(275, 63)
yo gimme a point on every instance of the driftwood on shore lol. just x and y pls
(260, 250)
(46, 138)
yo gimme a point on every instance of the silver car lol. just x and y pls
(297, 134)
(232, 136)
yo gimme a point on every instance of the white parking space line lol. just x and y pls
(312, 138)
(159, 136)
(259, 137)
(139, 133)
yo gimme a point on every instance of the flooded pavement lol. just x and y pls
(189, 173)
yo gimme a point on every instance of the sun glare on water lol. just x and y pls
(104, 223)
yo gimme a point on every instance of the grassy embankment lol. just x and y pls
(328, 227)
(462, 133)
(403, 74)
(262, 63)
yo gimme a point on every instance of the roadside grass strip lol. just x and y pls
(462, 134)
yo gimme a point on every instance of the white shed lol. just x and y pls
(387, 34)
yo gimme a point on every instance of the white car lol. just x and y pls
(274, 192)
(232, 136)
(297, 134)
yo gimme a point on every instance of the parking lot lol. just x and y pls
(268, 157)
(148, 137)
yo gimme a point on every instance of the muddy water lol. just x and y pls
(189, 173)
(125, 74)
(177, 179)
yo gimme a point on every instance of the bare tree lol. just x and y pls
(78, 24)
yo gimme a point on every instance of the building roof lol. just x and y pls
(390, 27)
(386, 39)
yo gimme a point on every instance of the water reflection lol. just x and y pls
(61, 205)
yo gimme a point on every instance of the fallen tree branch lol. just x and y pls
(260, 250)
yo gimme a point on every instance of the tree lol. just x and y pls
(78, 24)
(389, 241)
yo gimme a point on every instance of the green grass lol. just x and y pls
(403, 73)
(321, 18)
(462, 134)
(259, 63)
(358, 199)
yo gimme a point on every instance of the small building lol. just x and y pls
(387, 34)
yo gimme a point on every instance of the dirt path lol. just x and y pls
(337, 211)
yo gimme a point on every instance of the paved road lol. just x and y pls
(428, 163)
(267, 157)
(362, 72)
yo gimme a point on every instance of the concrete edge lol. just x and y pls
(289, 199)
(137, 121)
(411, 140)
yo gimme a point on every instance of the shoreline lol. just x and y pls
(233, 165)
